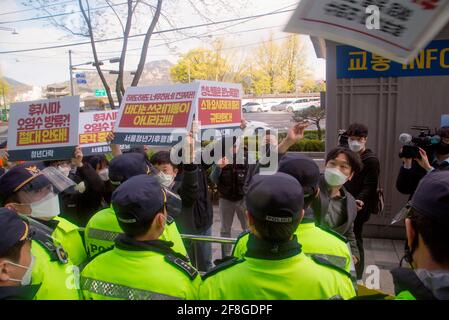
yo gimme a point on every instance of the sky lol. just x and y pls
(49, 66)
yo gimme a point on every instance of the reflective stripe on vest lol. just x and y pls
(102, 234)
(337, 261)
(122, 292)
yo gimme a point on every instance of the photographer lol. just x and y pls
(414, 169)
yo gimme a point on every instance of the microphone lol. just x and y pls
(405, 138)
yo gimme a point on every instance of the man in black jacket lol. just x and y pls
(229, 176)
(413, 170)
(363, 185)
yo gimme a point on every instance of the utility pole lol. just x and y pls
(70, 71)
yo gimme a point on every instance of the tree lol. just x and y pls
(99, 19)
(312, 114)
(199, 64)
(312, 86)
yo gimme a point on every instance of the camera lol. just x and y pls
(425, 140)
(343, 138)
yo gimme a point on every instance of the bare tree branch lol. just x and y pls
(116, 14)
(146, 41)
(94, 51)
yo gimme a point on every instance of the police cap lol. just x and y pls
(127, 165)
(431, 198)
(303, 169)
(12, 230)
(276, 198)
(19, 176)
(138, 200)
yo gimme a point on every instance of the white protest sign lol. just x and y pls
(394, 29)
(44, 129)
(149, 115)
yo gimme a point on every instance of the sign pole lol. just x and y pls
(70, 71)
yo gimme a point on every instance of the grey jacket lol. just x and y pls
(320, 207)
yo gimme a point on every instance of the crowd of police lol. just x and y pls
(115, 232)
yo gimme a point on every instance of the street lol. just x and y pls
(277, 119)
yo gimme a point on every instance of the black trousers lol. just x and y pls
(362, 217)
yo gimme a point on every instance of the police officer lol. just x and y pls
(274, 266)
(25, 190)
(314, 239)
(103, 227)
(140, 266)
(427, 227)
(16, 260)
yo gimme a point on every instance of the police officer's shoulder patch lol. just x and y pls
(334, 233)
(181, 265)
(170, 219)
(223, 266)
(319, 259)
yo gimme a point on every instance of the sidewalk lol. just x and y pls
(383, 253)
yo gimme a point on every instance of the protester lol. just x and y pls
(229, 176)
(335, 207)
(363, 185)
(79, 203)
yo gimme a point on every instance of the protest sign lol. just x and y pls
(219, 105)
(44, 129)
(149, 115)
(94, 128)
(394, 29)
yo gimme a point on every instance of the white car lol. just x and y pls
(304, 103)
(254, 107)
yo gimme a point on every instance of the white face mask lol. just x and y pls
(46, 208)
(104, 174)
(64, 170)
(26, 279)
(334, 177)
(355, 145)
(165, 179)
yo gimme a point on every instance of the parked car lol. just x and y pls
(304, 103)
(254, 107)
(253, 127)
(282, 106)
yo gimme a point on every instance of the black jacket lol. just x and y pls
(363, 185)
(408, 179)
(19, 292)
(231, 181)
(78, 207)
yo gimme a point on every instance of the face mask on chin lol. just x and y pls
(104, 174)
(64, 170)
(26, 279)
(47, 208)
(334, 177)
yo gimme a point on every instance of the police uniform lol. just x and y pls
(273, 270)
(314, 240)
(139, 270)
(13, 230)
(431, 200)
(64, 232)
(103, 228)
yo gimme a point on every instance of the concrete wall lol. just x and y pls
(388, 106)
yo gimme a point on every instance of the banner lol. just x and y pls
(357, 63)
(394, 29)
(94, 128)
(219, 105)
(149, 115)
(44, 129)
